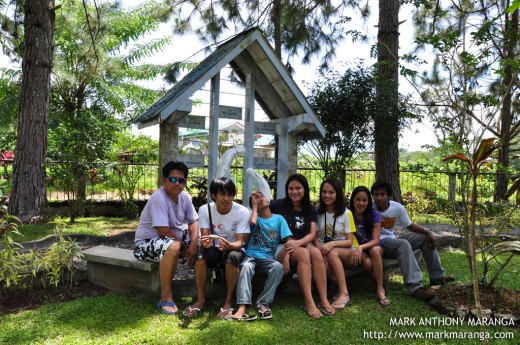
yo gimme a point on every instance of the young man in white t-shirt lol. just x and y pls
(230, 222)
(159, 234)
(401, 248)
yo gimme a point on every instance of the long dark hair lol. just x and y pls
(306, 200)
(368, 213)
(339, 204)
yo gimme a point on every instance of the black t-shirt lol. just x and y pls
(299, 222)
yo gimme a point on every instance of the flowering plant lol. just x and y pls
(6, 158)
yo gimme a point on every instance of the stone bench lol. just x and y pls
(357, 278)
(117, 269)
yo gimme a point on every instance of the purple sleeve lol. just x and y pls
(377, 216)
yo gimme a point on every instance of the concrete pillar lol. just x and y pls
(249, 136)
(292, 155)
(214, 115)
(282, 128)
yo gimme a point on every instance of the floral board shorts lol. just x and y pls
(153, 249)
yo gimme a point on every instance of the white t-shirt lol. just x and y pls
(394, 214)
(344, 225)
(226, 225)
(161, 210)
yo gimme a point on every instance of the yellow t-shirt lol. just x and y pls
(336, 227)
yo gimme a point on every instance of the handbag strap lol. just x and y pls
(210, 223)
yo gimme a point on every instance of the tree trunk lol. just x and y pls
(28, 199)
(386, 124)
(506, 115)
(277, 23)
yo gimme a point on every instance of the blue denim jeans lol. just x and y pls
(248, 267)
(402, 248)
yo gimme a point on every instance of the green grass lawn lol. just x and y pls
(132, 318)
(100, 226)
(456, 263)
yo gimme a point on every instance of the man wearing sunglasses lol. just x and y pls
(159, 234)
(224, 229)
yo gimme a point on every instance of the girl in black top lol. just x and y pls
(301, 217)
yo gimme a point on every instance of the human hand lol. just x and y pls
(190, 254)
(205, 242)
(289, 246)
(286, 265)
(356, 256)
(256, 196)
(326, 260)
(224, 244)
(326, 248)
(431, 239)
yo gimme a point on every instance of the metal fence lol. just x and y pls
(106, 181)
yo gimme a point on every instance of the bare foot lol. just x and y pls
(313, 312)
(381, 297)
(342, 303)
(167, 307)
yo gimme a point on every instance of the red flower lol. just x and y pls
(8, 155)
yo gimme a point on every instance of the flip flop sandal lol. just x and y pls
(244, 317)
(223, 313)
(341, 305)
(161, 306)
(265, 315)
(327, 311)
(192, 311)
(384, 301)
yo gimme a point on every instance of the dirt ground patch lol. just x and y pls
(455, 299)
(15, 301)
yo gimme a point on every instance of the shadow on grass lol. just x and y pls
(133, 318)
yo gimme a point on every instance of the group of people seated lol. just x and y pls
(290, 233)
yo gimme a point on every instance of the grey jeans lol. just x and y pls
(402, 248)
(248, 267)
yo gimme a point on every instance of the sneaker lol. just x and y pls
(424, 294)
(442, 281)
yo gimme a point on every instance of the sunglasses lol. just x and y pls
(177, 179)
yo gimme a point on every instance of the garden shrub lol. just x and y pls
(14, 267)
(18, 268)
(426, 202)
(57, 263)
